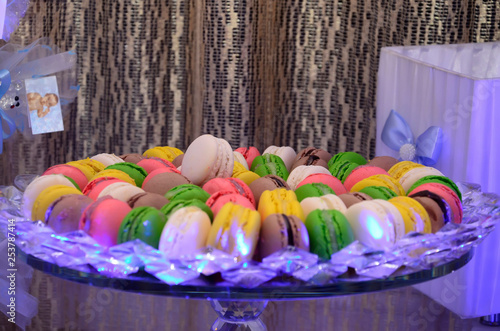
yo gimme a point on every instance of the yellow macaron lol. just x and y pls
(240, 172)
(163, 152)
(47, 197)
(400, 168)
(114, 173)
(280, 201)
(414, 214)
(379, 180)
(235, 230)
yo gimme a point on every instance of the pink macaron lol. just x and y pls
(360, 173)
(153, 163)
(95, 187)
(69, 171)
(102, 220)
(334, 183)
(249, 153)
(219, 199)
(234, 185)
(447, 194)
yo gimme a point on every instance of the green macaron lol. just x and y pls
(187, 192)
(137, 173)
(342, 169)
(266, 158)
(379, 192)
(312, 190)
(272, 168)
(437, 179)
(144, 223)
(172, 206)
(352, 157)
(329, 231)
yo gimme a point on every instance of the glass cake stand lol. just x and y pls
(239, 308)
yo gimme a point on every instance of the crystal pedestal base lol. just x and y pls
(238, 315)
(491, 320)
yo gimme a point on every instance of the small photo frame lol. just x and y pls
(44, 105)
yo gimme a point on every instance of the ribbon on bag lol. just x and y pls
(4, 86)
(11, 12)
(397, 135)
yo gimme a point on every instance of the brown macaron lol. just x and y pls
(178, 160)
(279, 231)
(321, 153)
(350, 199)
(65, 212)
(310, 160)
(266, 183)
(132, 157)
(147, 199)
(439, 216)
(163, 182)
(384, 162)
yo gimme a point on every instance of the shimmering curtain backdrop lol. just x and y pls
(255, 72)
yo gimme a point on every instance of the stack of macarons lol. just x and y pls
(241, 201)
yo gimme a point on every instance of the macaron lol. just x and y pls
(160, 171)
(88, 170)
(266, 183)
(267, 158)
(121, 191)
(334, 183)
(301, 172)
(329, 231)
(414, 214)
(324, 202)
(207, 157)
(186, 232)
(95, 187)
(219, 199)
(187, 192)
(350, 199)
(37, 186)
(132, 157)
(279, 231)
(46, 197)
(437, 179)
(342, 169)
(379, 192)
(102, 220)
(143, 223)
(377, 223)
(114, 173)
(245, 175)
(235, 231)
(172, 206)
(308, 161)
(229, 185)
(361, 173)
(177, 162)
(69, 171)
(400, 168)
(272, 168)
(153, 163)
(315, 152)
(249, 153)
(312, 190)
(286, 153)
(147, 199)
(384, 162)
(447, 194)
(379, 180)
(163, 182)
(437, 208)
(239, 158)
(280, 201)
(95, 165)
(163, 152)
(107, 159)
(413, 175)
(136, 172)
(351, 157)
(64, 213)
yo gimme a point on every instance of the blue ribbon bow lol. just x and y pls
(398, 136)
(4, 87)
